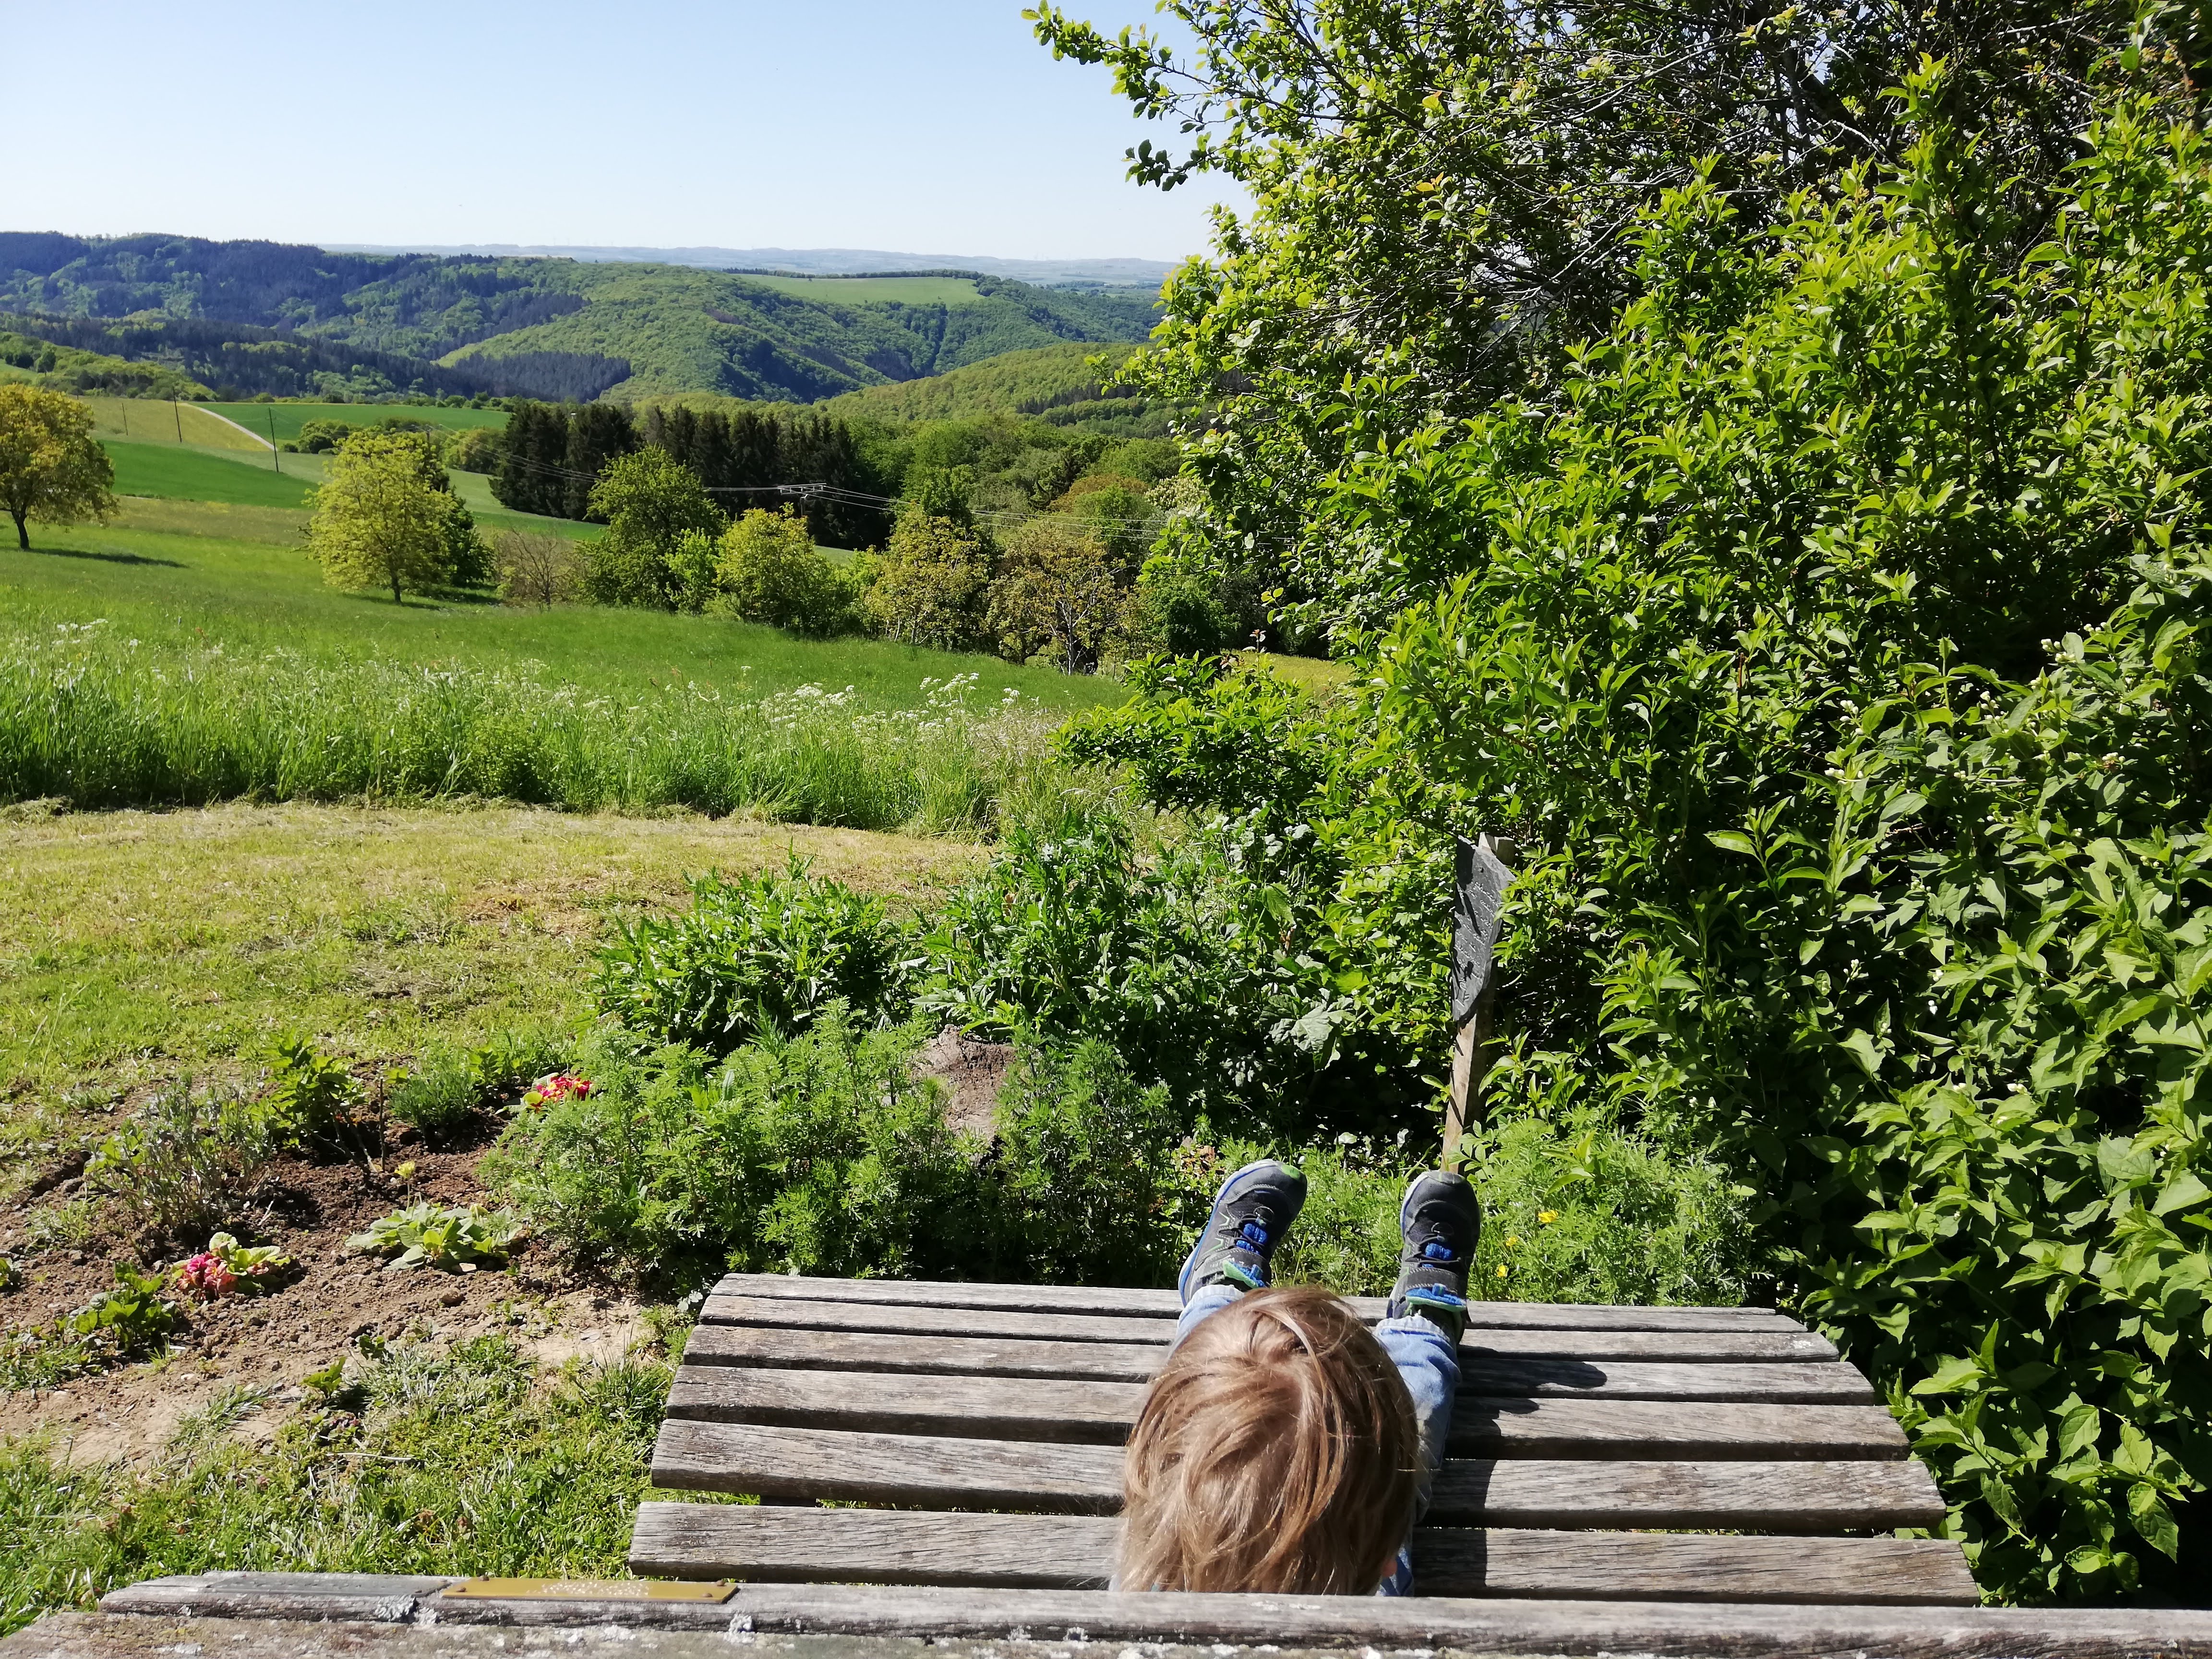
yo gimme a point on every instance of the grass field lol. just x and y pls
(191, 474)
(180, 569)
(290, 417)
(150, 421)
(876, 290)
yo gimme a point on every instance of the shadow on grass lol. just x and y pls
(106, 556)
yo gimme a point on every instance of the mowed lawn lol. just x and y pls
(237, 572)
(288, 418)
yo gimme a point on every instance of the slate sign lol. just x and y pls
(1480, 901)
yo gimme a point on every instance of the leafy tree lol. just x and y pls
(1446, 191)
(942, 492)
(477, 450)
(51, 467)
(651, 503)
(769, 571)
(1118, 511)
(384, 516)
(1180, 612)
(931, 585)
(1057, 586)
(1831, 639)
(535, 566)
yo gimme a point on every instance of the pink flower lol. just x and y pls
(559, 1085)
(204, 1275)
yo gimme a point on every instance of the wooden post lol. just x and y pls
(1484, 872)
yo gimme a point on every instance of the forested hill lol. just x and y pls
(373, 321)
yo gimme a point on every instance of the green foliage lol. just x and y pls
(460, 1239)
(1443, 195)
(932, 585)
(766, 569)
(1830, 642)
(1059, 591)
(308, 1091)
(437, 1095)
(66, 368)
(1057, 383)
(651, 503)
(1179, 614)
(461, 1466)
(761, 953)
(321, 437)
(125, 1319)
(50, 469)
(386, 515)
(188, 1161)
(1090, 1190)
(815, 1153)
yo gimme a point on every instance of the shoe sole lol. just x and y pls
(1228, 1191)
(1406, 1209)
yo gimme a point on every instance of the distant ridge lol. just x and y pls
(813, 262)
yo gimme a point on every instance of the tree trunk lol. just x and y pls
(22, 530)
(395, 588)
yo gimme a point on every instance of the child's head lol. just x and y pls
(1275, 1451)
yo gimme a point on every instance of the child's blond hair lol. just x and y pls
(1275, 1451)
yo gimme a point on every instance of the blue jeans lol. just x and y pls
(1427, 1359)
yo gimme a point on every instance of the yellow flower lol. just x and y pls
(1512, 1241)
(1501, 1270)
(1545, 1218)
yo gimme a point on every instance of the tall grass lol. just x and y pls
(103, 721)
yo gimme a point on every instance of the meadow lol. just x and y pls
(876, 290)
(289, 417)
(191, 652)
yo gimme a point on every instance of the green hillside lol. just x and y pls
(1043, 381)
(253, 317)
(290, 417)
(186, 474)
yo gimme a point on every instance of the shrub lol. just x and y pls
(535, 566)
(764, 952)
(1832, 639)
(1088, 1187)
(187, 1162)
(122, 1320)
(1179, 612)
(815, 1153)
(768, 570)
(652, 502)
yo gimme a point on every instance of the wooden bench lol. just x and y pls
(970, 1436)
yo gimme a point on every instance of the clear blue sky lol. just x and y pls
(923, 126)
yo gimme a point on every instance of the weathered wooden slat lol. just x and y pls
(952, 1356)
(984, 1552)
(798, 1349)
(1164, 1304)
(985, 1407)
(907, 1320)
(1693, 1429)
(1835, 1384)
(1022, 1408)
(945, 1473)
(858, 1622)
(360, 1596)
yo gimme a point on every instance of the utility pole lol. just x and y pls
(275, 459)
(177, 410)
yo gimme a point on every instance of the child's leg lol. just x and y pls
(1442, 1222)
(1206, 1299)
(1428, 1359)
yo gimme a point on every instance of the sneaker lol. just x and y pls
(1442, 1222)
(1254, 1209)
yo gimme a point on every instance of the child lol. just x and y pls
(1283, 1448)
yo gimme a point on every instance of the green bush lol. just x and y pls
(814, 1153)
(308, 1091)
(759, 953)
(1832, 641)
(439, 1094)
(187, 1162)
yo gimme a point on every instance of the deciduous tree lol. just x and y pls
(932, 585)
(381, 521)
(650, 501)
(1057, 586)
(51, 467)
